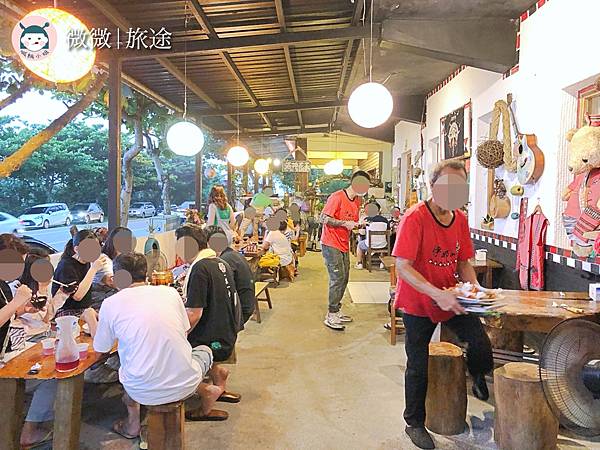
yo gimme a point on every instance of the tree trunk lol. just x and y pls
(128, 157)
(18, 158)
(24, 87)
(163, 179)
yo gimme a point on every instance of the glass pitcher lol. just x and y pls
(66, 353)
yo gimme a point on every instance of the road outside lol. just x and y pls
(57, 237)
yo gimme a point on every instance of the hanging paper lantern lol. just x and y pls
(370, 105)
(54, 45)
(185, 138)
(334, 167)
(261, 166)
(276, 162)
(237, 156)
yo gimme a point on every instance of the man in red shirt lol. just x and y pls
(339, 217)
(433, 245)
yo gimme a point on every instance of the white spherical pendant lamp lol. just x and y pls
(334, 167)
(276, 162)
(370, 105)
(185, 138)
(237, 156)
(261, 166)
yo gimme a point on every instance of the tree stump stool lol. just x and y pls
(446, 401)
(523, 419)
(166, 426)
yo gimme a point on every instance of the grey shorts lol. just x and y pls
(204, 357)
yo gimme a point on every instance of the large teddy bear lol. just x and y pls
(581, 218)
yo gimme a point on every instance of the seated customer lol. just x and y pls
(277, 242)
(158, 365)
(242, 275)
(213, 310)
(373, 223)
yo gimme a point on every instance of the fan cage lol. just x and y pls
(568, 347)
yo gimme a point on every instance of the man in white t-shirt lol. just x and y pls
(158, 364)
(277, 242)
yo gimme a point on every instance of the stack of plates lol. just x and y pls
(483, 306)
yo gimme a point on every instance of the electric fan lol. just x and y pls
(570, 375)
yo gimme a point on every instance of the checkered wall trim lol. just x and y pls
(522, 18)
(445, 81)
(554, 254)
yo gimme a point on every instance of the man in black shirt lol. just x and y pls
(243, 277)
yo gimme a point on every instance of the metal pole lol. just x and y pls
(198, 196)
(114, 142)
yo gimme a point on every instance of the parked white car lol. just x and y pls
(142, 209)
(46, 215)
(10, 224)
(186, 205)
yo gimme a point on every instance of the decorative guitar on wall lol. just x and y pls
(530, 158)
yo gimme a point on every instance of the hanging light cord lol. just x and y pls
(371, 47)
(185, 62)
(238, 114)
(363, 20)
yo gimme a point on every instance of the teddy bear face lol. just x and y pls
(584, 149)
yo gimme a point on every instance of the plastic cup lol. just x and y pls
(48, 346)
(83, 350)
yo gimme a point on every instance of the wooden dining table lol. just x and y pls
(67, 404)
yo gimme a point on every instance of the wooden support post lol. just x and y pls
(301, 178)
(523, 418)
(230, 186)
(446, 401)
(67, 413)
(11, 414)
(255, 181)
(114, 143)
(199, 175)
(245, 180)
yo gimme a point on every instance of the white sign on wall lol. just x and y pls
(290, 165)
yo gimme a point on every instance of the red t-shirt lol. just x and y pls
(435, 250)
(340, 207)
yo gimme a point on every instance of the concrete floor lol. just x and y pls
(305, 386)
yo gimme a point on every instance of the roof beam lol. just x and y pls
(204, 22)
(358, 10)
(277, 40)
(119, 20)
(486, 43)
(294, 129)
(288, 58)
(273, 109)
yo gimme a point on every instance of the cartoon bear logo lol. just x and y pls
(34, 38)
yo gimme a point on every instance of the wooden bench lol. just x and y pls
(261, 287)
(396, 323)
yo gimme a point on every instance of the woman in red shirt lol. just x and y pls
(433, 245)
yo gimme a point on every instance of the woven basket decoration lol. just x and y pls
(490, 154)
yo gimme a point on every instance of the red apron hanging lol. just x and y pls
(531, 252)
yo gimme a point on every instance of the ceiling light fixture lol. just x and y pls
(370, 104)
(185, 138)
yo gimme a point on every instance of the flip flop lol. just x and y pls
(229, 397)
(46, 439)
(119, 428)
(214, 415)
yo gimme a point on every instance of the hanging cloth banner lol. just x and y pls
(501, 109)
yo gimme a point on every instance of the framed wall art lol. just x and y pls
(456, 133)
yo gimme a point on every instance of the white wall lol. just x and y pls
(407, 139)
(557, 58)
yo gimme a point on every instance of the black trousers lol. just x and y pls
(418, 334)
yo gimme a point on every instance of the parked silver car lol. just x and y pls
(87, 213)
(142, 209)
(46, 215)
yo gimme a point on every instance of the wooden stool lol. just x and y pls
(259, 288)
(166, 426)
(523, 418)
(446, 401)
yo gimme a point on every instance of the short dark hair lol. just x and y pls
(213, 229)
(438, 168)
(376, 204)
(360, 173)
(134, 263)
(283, 225)
(194, 231)
(12, 242)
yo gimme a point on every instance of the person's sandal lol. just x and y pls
(229, 397)
(119, 428)
(215, 415)
(45, 440)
